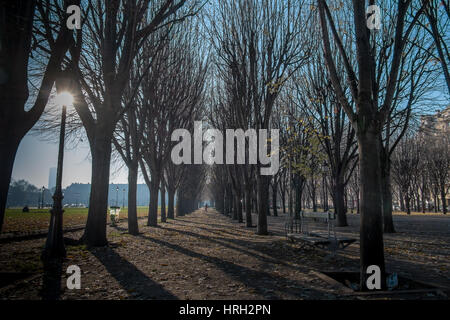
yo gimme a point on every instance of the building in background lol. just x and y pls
(436, 124)
(436, 129)
(52, 178)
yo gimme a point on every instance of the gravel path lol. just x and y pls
(208, 256)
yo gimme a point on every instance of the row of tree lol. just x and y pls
(337, 91)
(343, 99)
(135, 72)
(420, 170)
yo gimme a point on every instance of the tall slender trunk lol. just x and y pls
(133, 227)
(221, 203)
(339, 204)
(298, 199)
(444, 201)
(402, 200)
(314, 199)
(239, 208)
(153, 206)
(283, 200)
(226, 207)
(180, 203)
(95, 231)
(387, 196)
(338, 199)
(171, 201)
(163, 201)
(274, 199)
(357, 204)
(263, 204)
(8, 150)
(408, 203)
(371, 227)
(423, 197)
(255, 198)
(248, 207)
(235, 207)
(230, 202)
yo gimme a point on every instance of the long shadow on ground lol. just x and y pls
(130, 277)
(258, 280)
(238, 242)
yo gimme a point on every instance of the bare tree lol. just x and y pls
(268, 36)
(335, 133)
(115, 32)
(438, 18)
(438, 161)
(27, 28)
(173, 91)
(372, 103)
(405, 165)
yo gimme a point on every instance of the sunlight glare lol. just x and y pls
(64, 99)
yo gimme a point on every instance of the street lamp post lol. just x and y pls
(54, 246)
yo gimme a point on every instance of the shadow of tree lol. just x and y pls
(239, 245)
(218, 229)
(263, 283)
(129, 277)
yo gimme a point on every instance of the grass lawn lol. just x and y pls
(38, 219)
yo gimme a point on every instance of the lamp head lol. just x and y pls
(64, 99)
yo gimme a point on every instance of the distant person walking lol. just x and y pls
(206, 207)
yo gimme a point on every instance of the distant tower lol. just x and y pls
(52, 178)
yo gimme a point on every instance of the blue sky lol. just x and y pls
(35, 157)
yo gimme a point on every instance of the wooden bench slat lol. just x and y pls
(315, 237)
(319, 215)
(313, 240)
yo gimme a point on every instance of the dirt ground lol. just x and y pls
(209, 256)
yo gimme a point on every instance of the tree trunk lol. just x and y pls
(235, 207)
(248, 208)
(314, 200)
(339, 204)
(263, 204)
(8, 152)
(408, 203)
(222, 203)
(95, 232)
(283, 201)
(239, 209)
(179, 210)
(298, 200)
(423, 202)
(153, 206)
(444, 201)
(133, 227)
(371, 227)
(357, 204)
(402, 200)
(171, 201)
(387, 196)
(274, 199)
(163, 202)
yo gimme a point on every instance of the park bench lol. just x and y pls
(114, 214)
(305, 230)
